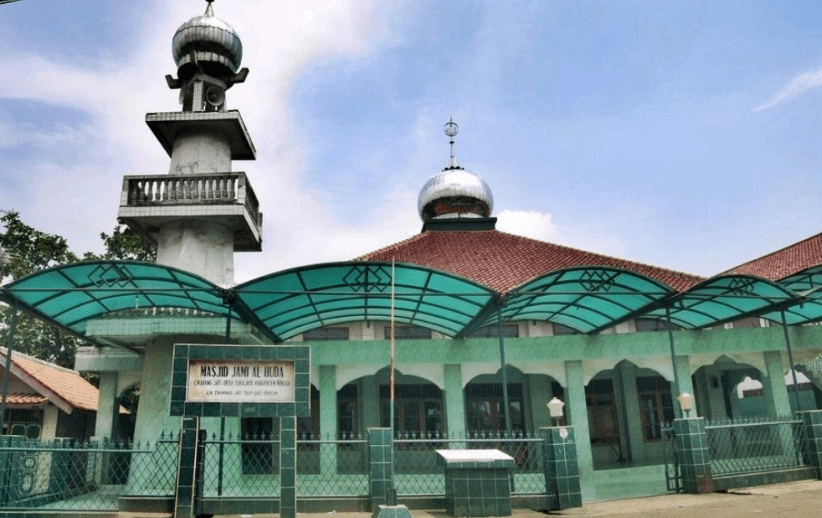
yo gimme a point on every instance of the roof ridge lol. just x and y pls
(770, 254)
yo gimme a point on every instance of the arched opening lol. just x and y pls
(365, 403)
(628, 407)
(715, 390)
(528, 395)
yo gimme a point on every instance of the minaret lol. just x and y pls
(201, 212)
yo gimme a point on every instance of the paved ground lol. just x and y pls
(798, 499)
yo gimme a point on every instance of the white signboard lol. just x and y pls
(227, 381)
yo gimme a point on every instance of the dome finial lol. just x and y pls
(451, 129)
(209, 9)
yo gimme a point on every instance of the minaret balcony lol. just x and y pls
(147, 202)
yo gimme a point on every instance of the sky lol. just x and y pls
(683, 134)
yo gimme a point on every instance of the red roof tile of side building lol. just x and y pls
(26, 399)
(785, 262)
(64, 384)
(504, 261)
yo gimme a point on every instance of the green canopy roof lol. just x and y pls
(293, 301)
(284, 304)
(723, 299)
(72, 294)
(587, 299)
(808, 285)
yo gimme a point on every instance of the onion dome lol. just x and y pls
(209, 43)
(455, 192)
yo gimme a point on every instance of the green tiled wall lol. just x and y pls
(812, 420)
(478, 491)
(561, 466)
(692, 455)
(184, 495)
(381, 467)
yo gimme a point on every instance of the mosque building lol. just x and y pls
(477, 317)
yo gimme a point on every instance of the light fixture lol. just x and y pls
(555, 407)
(686, 402)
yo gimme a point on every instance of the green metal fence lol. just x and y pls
(65, 474)
(238, 466)
(332, 466)
(416, 471)
(754, 445)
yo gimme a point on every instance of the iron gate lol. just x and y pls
(673, 475)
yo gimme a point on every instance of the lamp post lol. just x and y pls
(686, 402)
(555, 407)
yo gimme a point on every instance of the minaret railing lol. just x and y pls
(191, 189)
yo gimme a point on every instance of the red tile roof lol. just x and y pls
(64, 384)
(785, 262)
(25, 399)
(503, 261)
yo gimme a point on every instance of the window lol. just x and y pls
(652, 324)
(347, 419)
(485, 411)
(257, 449)
(560, 330)
(407, 333)
(746, 323)
(417, 408)
(326, 334)
(655, 405)
(492, 331)
(602, 412)
(24, 421)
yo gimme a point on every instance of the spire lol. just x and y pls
(209, 9)
(451, 129)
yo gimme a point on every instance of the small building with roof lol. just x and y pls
(46, 401)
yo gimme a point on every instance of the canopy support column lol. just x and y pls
(677, 410)
(7, 375)
(790, 361)
(505, 403)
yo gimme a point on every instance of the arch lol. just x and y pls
(722, 299)
(296, 300)
(587, 298)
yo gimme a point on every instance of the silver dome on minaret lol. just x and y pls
(209, 43)
(454, 192)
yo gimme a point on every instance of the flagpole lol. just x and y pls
(391, 397)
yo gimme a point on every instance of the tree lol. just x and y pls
(26, 250)
(124, 244)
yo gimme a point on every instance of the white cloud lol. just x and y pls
(526, 223)
(797, 85)
(78, 199)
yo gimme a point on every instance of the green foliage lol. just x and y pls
(29, 250)
(26, 250)
(124, 244)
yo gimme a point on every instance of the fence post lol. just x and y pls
(8, 477)
(812, 421)
(185, 497)
(692, 455)
(559, 459)
(381, 467)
